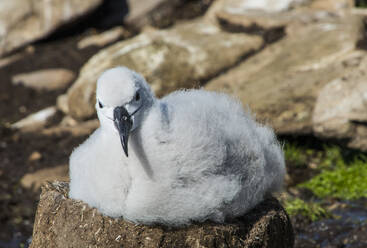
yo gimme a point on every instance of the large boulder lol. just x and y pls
(180, 57)
(243, 6)
(341, 107)
(24, 21)
(63, 222)
(270, 7)
(282, 82)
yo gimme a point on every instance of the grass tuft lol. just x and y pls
(295, 155)
(346, 181)
(310, 210)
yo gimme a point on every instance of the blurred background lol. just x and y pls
(299, 65)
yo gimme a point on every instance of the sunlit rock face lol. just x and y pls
(24, 21)
(171, 59)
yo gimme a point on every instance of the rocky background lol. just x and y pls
(300, 66)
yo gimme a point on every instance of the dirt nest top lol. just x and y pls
(63, 222)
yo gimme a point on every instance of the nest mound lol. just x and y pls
(63, 222)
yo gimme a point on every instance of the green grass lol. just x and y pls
(342, 174)
(310, 210)
(332, 157)
(345, 181)
(326, 157)
(295, 155)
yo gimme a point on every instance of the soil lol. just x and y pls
(17, 204)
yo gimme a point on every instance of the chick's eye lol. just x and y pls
(100, 104)
(137, 96)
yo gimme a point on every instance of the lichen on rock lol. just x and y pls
(63, 222)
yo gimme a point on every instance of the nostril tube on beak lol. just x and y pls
(123, 124)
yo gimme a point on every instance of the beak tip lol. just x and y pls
(123, 140)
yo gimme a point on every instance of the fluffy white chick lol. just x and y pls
(193, 155)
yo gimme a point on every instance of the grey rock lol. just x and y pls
(333, 5)
(282, 82)
(10, 59)
(170, 59)
(103, 39)
(241, 7)
(36, 120)
(62, 103)
(69, 125)
(63, 222)
(341, 107)
(24, 21)
(47, 79)
(149, 12)
(35, 179)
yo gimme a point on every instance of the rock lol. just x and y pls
(169, 59)
(341, 107)
(76, 129)
(62, 222)
(255, 21)
(104, 38)
(62, 103)
(10, 59)
(36, 120)
(238, 14)
(332, 5)
(47, 79)
(68, 121)
(281, 83)
(24, 21)
(34, 180)
(263, 5)
(151, 12)
(244, 6)
(34, 156)
(251, 20)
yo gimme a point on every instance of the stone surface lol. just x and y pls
(24, 21)
(236, 6)
(170, 59)
(241, 7)
(332, 5)
(10, 59)
(255, 21)
(236, 13)
(62, 222)
(103, 39)
(341, 107)
(147, 12)
(62, 103)
(281, 83)
(36, 120)
(47, 79)
(34, 180)
(252, 20)
(74, 128)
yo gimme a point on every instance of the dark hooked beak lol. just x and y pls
(123, 124)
